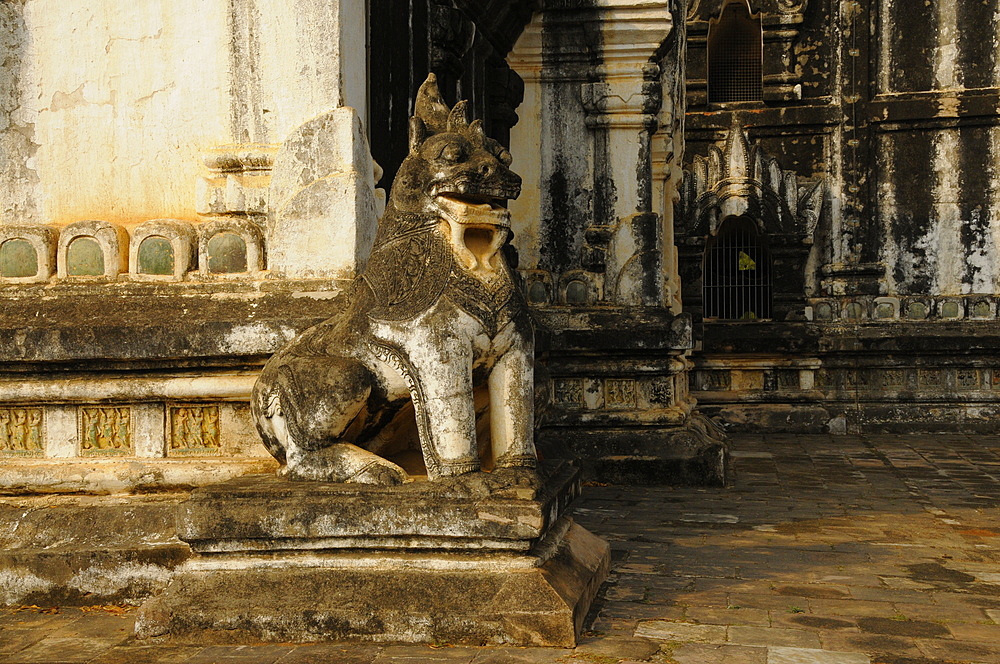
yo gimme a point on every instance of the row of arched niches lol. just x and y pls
(167, 249)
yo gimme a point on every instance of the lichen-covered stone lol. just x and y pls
(539, 600)
(507, 510)
(435, 315)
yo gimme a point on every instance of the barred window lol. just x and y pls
(735, 54)
(737, 273)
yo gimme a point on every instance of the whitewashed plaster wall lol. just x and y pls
(106, 105)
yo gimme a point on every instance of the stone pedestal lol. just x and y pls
(620, 406)
(481, 559)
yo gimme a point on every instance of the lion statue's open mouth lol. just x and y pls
(473, 209)
(479, 227)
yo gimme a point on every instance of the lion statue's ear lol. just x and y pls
(458, 119)
(430, 106)
(476, 133)
(418, 133)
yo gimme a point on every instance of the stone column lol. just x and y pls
(592, 228)
(593, 94)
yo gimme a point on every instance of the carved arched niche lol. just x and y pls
(162, 249)
(92, 248)
(740, 180)
(735, 55)
(27, 253)
(780, 22)
(538, 288)
(230, 248)
(577, 288)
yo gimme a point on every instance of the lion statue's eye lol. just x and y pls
(452, 152)
(504, 157)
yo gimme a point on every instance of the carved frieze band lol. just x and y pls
(110, 430)
(158, 249)
(872, 380)
(851, 309)
(613, 393)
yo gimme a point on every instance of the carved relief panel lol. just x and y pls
(21, 432)
(105, 430)
(568, 392)
(192, 429)
(619, 393)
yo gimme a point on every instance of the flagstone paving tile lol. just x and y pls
(65, 650)
(975, 632)
(871, 644)
(767, 636)
(520, 656)
(949, 614)
(852, 608)
(97, 625)
(425, 655)
(786, 655)
(242, 654)
(150, 655)
(701, 653)
(28, 619)
(981, 653)
(14, 639)
(813, 622)
(616, 646)
(662, 630)
(714, 615)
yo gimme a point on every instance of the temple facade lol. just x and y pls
(763, 215)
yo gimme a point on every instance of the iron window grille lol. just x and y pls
(735, 55)
(737, 273)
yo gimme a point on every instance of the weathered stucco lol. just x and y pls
(898, 115)
(117, 135)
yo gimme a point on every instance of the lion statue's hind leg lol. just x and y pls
(311, 444)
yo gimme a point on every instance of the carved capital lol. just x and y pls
(583, 39)
(623, 102)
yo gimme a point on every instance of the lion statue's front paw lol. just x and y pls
(343, 462)
(382, 473)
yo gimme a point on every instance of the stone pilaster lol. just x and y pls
(599, 147)
(593, 97)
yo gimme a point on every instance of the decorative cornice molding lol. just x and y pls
(702, 10)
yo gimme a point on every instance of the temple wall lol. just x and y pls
(107, 106)
(184, 187)
(891, 310)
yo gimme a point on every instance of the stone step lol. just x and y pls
(86, 550)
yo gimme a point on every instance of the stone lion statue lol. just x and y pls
(434, 318)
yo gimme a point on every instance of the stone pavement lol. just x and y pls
(825, 550)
